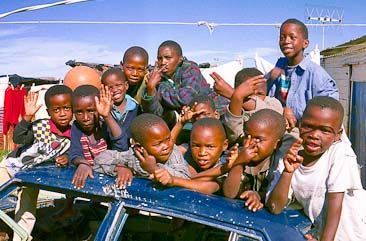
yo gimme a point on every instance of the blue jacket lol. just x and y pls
(308, 80)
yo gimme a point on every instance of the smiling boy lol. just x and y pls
(297, 79)
(323, 176)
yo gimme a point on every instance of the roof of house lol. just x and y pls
(337, 50)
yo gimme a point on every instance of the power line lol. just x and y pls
(41, 6)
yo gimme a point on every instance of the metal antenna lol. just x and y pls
(324, 15)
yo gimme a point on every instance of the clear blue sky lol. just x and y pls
(42, 50)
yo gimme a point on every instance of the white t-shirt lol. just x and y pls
(335, 171)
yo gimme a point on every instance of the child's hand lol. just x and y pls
(62, 161)
(290, 118)
(82, 173)
(310, 237)
(249, 87)
(147, 161)
(221, 86)
(248, 152)
(124, 176)
(275, 73)
(292, 160)
(30, 105)
(163, 176)
(154, 79)
(232, 155)
(186, 115)
(253, 200)
(104, 103)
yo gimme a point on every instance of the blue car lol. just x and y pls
(147, 211)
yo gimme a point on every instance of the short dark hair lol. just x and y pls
(245, 74)
(84, 91)
(210, 123)
(304, 29)
(270, 118)
(113, 71)
(326, 102)
(136, 51)
(56, 90)
(205, 99)
(172, 44)
(142, 123)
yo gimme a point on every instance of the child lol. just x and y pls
(42, 140)
(208, 142)
(202, 106)
(249, 176)
(134, 64)
(296, 79)
(90, 136)
(173, 84)
(124, 108)
(152, 150)
(248, 97)
(324, 176)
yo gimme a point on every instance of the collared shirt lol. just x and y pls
(131, 104)
(55, 130)
(308, 80)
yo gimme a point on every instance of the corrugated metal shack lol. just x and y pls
(346, 63)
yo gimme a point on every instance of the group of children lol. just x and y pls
(237, 146)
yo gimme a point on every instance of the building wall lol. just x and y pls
(344, 68)
(341, 74)
(349, 71)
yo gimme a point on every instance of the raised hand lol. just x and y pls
(104, 103)
(249, 87)
(163, 176)
(124, 176)
(30, 105)
(147, 161)
(186, 115)
(292, 159)
(82, 173)
(221, 86)
(253, 200)
(290, 118)
(232, 155)
(248, 152)
(154, 79)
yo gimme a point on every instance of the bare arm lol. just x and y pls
(231, 184)
(278, 198)
(212, 173)
(206, 187)
(333, 215)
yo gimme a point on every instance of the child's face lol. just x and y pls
(60, 110)
(86, 114)
(117, 87)
(205, 111)
(319, 128)
(292, 41)
(158, 142)
(264, 137)
(169, 60)
(134, 68)
(207, 145)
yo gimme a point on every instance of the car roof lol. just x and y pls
(143, 194)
